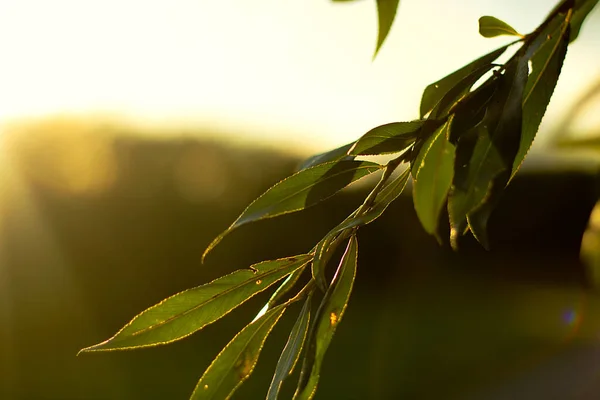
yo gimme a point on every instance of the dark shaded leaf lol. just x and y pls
(301, 190)
(384, 198)
(237, 360)
(457, 93)
(189, 311)
(340, 153)
(432, 173)
(292, 350)
(471, 110)
(478, 219)
(486, 154)
(386, 13)
(492, 26)
(328, 317)
(388, 138)
(547, 60)
(436, 91)
(477, 163)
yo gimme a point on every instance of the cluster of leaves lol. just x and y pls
(475, 128)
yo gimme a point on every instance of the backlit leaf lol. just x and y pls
(340, 153)
(436, 91)
(386, 13)
(432, 172)
(547, 63)
(328, 317)
(292, 350)
(388, 138)
(580, 12)
(458, 92)
(492, 26)
(384, 198)
(189, 311)
(301, 190)
(237, 360)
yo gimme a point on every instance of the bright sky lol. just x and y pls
(295, 71)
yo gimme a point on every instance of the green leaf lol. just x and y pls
(291, 352)
(328, 317)
(189, 311)
(491, 27)
(388, 138)
(283, 288)
(477, 163)
(386, 13)
(547, 61)
(471, 110)
(301, 190)
(580, 12)
(458, 92)
(237, 360)
(485, 155)
(436, 91)
(384, 198)
(432, 172)
(340, 153)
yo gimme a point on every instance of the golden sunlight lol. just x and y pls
(298, 74)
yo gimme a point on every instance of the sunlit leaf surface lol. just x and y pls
(433, 170)
(492, 26)
(389, 138)
(340, 153)
(291, 352)
(384, 198)
(184, 313)
(301, 190)
(237, 360)
(328, 317)
(436, 91)
(547, 63)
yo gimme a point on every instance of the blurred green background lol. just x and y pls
(100, 221)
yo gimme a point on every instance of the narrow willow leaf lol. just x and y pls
(389, 138)
(388, 194)
(547, 63)
(237, 360)
(432, 172)
(189, 311)
(328, 317)
(436, 91)
(458, 92)
(300, 191)
(285, 287)
(386, 13)
(340, 153)
(580, 12)
(292, 350)
(492, 26)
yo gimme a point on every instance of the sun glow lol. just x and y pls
(298, 73)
